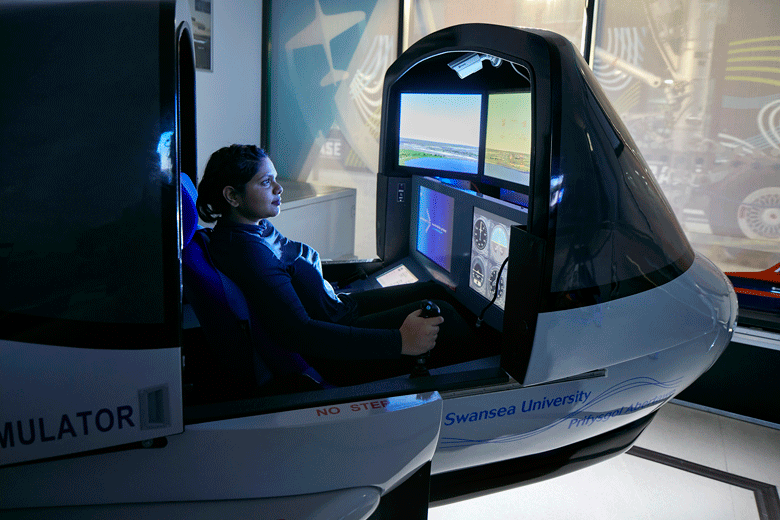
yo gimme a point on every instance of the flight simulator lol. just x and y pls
(505, 178)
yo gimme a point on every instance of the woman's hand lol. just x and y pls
(418, 335)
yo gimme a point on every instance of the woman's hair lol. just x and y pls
(234, 165)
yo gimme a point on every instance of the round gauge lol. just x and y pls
(480, 234)
(493, 276)
(499, 243)
(478, 274)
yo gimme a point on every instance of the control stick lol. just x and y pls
(428, 310)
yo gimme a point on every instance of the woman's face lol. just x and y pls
(260, 198)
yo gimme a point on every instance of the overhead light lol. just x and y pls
(472, 62)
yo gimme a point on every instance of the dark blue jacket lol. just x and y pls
(282, 281)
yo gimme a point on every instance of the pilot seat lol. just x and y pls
(229, 356)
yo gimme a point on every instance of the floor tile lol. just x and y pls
(751, 451)
(688, 434)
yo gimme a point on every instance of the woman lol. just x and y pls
(282, 279)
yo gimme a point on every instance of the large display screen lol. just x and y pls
(508, 137)
(435, 214)
(440, 131)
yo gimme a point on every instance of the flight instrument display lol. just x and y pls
(489, 249)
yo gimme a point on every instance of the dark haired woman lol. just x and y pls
(282, 280)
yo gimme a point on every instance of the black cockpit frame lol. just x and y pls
(599, 228)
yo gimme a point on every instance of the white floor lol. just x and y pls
(630, 487)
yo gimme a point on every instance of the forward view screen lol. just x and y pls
(508, 140)
(440, 131)
(435, 214)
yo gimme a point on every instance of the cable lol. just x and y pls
(481, 317)
(520, 73)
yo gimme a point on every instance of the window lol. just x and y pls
(705, 116)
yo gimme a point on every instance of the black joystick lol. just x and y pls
(428, 309)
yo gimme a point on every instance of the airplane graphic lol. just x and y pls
(320, 32)
(439, 229)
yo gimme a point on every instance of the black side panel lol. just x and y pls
(88, 182)
(523, 301)
(381, 211)
(615, 233)
(394, 195)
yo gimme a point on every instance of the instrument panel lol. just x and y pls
(489, 249)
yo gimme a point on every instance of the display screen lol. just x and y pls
(508, 139)
(401, 275)
(440, 131)
(435, 215)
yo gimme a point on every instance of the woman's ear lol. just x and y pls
(231, 196)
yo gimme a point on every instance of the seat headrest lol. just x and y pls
(189, 212)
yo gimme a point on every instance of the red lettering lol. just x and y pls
(369, 405)
(333, 410)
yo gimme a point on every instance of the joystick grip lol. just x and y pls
(428, 309)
